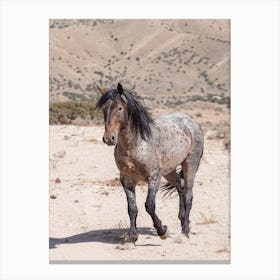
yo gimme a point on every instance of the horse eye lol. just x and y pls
(120, 108)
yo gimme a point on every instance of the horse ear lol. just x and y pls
(120, 89)
(101, 90)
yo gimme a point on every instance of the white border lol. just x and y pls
(255, 137)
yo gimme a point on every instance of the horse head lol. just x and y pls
(114, 106)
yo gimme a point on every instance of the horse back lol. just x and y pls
(179, 135)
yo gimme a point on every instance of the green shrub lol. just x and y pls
(66, 112)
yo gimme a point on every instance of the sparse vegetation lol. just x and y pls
(206, 220)
(167, 71)
(210, 97)
(67, 112)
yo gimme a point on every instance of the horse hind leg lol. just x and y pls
(189, 167)
(175, 180)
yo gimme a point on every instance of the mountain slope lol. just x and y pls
(156, 58)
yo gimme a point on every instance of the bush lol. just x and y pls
(214, 98)
(66, 112)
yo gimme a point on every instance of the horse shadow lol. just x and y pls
(110, 236)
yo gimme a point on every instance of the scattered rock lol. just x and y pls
(61, 154)
(57, 181)
(105, 193)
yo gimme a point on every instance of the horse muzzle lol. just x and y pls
(110, 141)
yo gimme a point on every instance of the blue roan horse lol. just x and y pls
(148, 149)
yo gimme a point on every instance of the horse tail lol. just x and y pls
(168, 189)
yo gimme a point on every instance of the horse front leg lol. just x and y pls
(150, 206)
(129, 188)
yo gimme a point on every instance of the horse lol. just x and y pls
(147, 149)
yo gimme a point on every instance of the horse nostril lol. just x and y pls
(103, 139)
(112, 138)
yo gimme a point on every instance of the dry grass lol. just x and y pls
(93, 140)
(121, 225)
(206, 220)
(223, 250)
(53, 163)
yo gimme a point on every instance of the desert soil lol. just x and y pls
(88, 208)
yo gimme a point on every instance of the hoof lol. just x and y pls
(185, 231)
(166, 234)
(130, 238)
(186, 234)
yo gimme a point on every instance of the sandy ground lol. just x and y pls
(88, 209)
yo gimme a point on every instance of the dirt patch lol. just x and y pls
(88, 208)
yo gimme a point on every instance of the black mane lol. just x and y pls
(138, 116)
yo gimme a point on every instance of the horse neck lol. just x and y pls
(127, 138)
(129, 141)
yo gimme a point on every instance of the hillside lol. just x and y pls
(162, 60)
